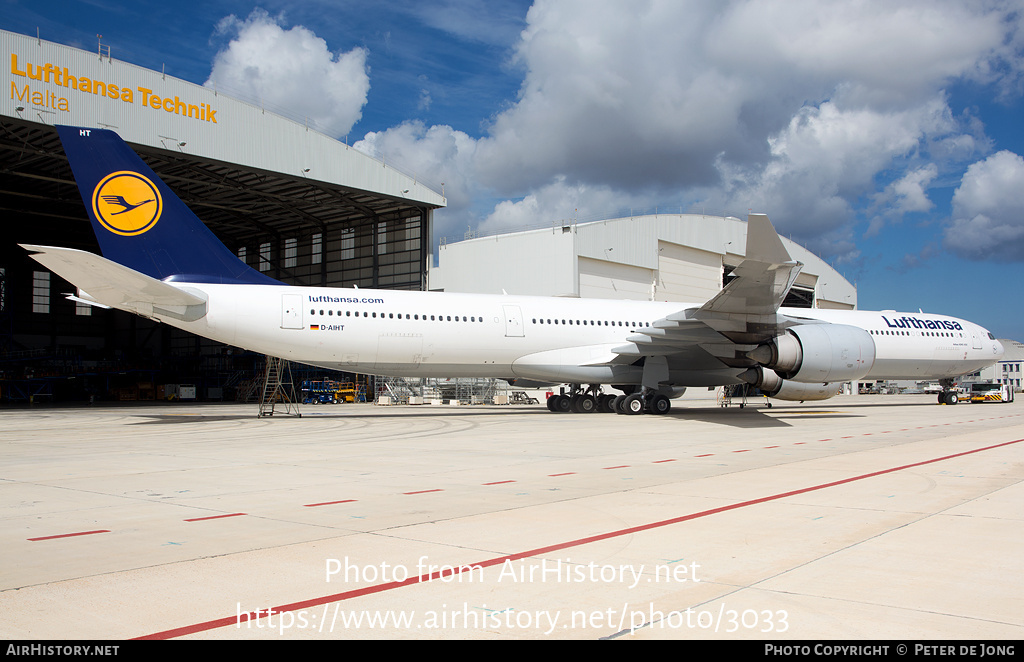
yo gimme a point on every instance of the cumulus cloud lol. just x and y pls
(912, 190)
(828, 157)
(291, 71)
(557, 202)
(649, 93)
(796, 108)
(987, 220)
(441, 157)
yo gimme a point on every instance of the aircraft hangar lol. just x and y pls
(294, 203)
(653, 257)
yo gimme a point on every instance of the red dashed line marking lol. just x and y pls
(493, 561)
(70, 535)
(504, 482)
(203, 519)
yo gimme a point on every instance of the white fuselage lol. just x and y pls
(428, 334)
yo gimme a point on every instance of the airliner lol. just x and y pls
(162, 263)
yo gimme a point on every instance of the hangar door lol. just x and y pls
(600, 279)
(687, 274)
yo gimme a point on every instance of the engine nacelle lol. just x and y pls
(819, 353)
(795, 391)
(776, 387)
(672, 392)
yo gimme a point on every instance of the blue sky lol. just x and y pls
(884, 135)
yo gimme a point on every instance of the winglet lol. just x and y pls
(763, 242)
(746, 309)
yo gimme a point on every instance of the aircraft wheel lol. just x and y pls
(634, 404)
(617, 404)
(660, 405)
(558, 404)
(952, 398)
(584, 404)
(942, 397)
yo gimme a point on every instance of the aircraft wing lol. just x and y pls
(736, 320)
(101, 280)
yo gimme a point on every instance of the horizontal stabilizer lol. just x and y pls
(106, 282)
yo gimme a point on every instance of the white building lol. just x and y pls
(1008, 370)
(665, 257)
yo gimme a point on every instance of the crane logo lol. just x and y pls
(127, 203)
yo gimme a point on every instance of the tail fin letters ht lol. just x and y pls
(139, 222)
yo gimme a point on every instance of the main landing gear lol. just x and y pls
(591, 399)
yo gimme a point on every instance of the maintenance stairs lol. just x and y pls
(278, 395)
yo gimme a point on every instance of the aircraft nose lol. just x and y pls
(997, 347)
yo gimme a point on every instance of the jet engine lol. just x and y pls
(782, 389)
(818, 353)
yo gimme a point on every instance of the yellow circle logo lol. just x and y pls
(127, 203)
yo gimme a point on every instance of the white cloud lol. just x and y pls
(798, 108)
(987, 219)
(634, 94)
(828, 157)
(557, 202)
(912, 190)
(292, 72)
(439, 156)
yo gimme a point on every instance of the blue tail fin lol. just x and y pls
(139, 222)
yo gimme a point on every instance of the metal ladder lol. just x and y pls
(278, 387)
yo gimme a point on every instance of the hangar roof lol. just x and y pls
(243, 170)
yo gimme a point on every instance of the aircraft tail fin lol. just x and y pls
(139, 222)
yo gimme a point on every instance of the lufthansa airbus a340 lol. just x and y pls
(161, 262)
